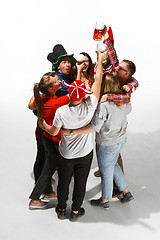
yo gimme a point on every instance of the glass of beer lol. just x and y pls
(101, 47)
(79, 59)
(99, 31)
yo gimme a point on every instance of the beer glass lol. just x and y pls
(101, 47)
(99, 31)
(79, 59)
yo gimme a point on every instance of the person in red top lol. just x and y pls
(46, 105)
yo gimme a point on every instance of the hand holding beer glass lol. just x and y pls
(99, 31)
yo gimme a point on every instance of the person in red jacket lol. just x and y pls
(46, 105)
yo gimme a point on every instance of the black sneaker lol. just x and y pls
(98, 203)
(127, 197)
(61, 214)
(74, 216)
(116, 193)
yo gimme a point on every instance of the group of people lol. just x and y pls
(71, 102)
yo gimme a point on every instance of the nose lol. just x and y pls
(68, 64)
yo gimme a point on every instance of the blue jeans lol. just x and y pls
(110, 170)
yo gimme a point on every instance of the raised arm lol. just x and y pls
(112, 55)
(98, 78)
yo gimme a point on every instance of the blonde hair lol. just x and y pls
(42, 87)
(110, 84)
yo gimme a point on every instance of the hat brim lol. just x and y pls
(73, 61)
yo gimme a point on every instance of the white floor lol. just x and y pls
(139, 219)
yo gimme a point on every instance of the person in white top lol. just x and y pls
(76, 150)
(110, 124)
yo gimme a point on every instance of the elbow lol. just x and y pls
(29, 106)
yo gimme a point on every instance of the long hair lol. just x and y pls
(110, 84)
(90, 70)
(42, 87)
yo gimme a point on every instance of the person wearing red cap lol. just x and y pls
(110, 124)
(76, 150)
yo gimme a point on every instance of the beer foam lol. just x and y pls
(80, 58)
(99, 25)
(102, 47)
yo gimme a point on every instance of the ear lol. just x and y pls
(127, 74)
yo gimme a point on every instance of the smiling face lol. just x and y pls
(56, 84)
(86, 63)
(64, 65)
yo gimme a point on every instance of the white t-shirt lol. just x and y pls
(79, 145)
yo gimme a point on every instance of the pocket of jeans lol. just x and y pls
(112, 149)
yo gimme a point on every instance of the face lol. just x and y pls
(86, 63)
(56, 84)
(65, 65)
(121, 71)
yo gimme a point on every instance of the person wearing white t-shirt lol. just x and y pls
(76, 150)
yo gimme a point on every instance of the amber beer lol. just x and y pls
(101, 47)
(99, 31)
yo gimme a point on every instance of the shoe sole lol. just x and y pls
(37, 207)
(97, 175)
(128, 200)
(75, 219)
(101, 207)
(48, 199)
(60, 217)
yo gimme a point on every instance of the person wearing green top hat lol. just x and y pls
(63, 64)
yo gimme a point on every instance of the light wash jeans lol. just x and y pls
(107, 157)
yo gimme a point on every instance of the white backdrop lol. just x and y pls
(29, 30)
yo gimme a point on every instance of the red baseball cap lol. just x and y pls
(77, 90)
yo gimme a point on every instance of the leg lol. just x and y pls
(43, 184)
(40, 159)
(107, 159)
(81, 172)
(120, 162)
(65, 171)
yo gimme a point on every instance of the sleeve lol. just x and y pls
(119, 98)
(133, 84)
(99, 118)
(111, 53)
(57, 119)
